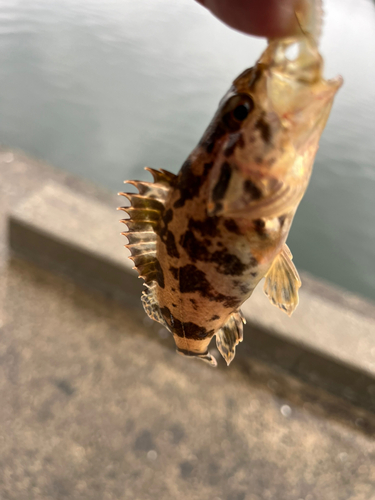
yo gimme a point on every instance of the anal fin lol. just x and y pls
(229, 335)
(282, 282)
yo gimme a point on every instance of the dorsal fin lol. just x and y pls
(145, 210)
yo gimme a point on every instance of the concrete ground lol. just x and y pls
(95, 404)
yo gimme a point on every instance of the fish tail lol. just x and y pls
(204, 356)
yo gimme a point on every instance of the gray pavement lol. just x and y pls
(93, 406)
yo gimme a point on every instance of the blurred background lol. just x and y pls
(102, 89)
(94, 402)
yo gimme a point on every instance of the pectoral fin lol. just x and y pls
(282, 282)
(229, 335)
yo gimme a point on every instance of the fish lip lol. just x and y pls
(331, 87)
(320, 101)
(324, 98)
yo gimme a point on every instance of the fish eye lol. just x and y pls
(241, 112)
(244, 106)
(238, 109)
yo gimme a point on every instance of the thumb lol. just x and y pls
(268, 18)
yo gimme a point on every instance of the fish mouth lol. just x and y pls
(296, 57)
(332, 86)
(309, 121)
(297, 91)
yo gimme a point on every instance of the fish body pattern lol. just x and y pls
(203, 239)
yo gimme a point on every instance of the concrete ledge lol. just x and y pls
(329, 341)
(62, 231)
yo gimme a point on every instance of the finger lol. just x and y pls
(269, 18)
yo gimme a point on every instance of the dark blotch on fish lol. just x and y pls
(174, 272)
(207, 167)
(228, 263)
(218, 207)
(231, 226)
(256, 74)
(264, 129)
(188, 184)
(282, 220)
(244, 288)
(250, 188)
(167, 236)
(195, 249)
(207, 227)
(222, 183)
(212, 136)
(170, 244)
(229, 301)
(167, 217)
(187, 330)
(159, 275)
(195, 305)
(259, 226)
(193, 280)
(235, 141)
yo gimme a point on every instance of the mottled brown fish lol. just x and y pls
(202, 240)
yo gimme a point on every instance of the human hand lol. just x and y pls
(268, 18)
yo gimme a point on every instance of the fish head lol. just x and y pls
(295, 90)
(272, 118)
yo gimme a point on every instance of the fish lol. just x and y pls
(203, 239)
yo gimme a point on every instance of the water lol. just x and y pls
(103, 88)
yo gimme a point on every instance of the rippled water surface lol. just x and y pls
(103, 88)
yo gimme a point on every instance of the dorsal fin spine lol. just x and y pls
(145, 210)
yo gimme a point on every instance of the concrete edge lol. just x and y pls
(68, 233)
